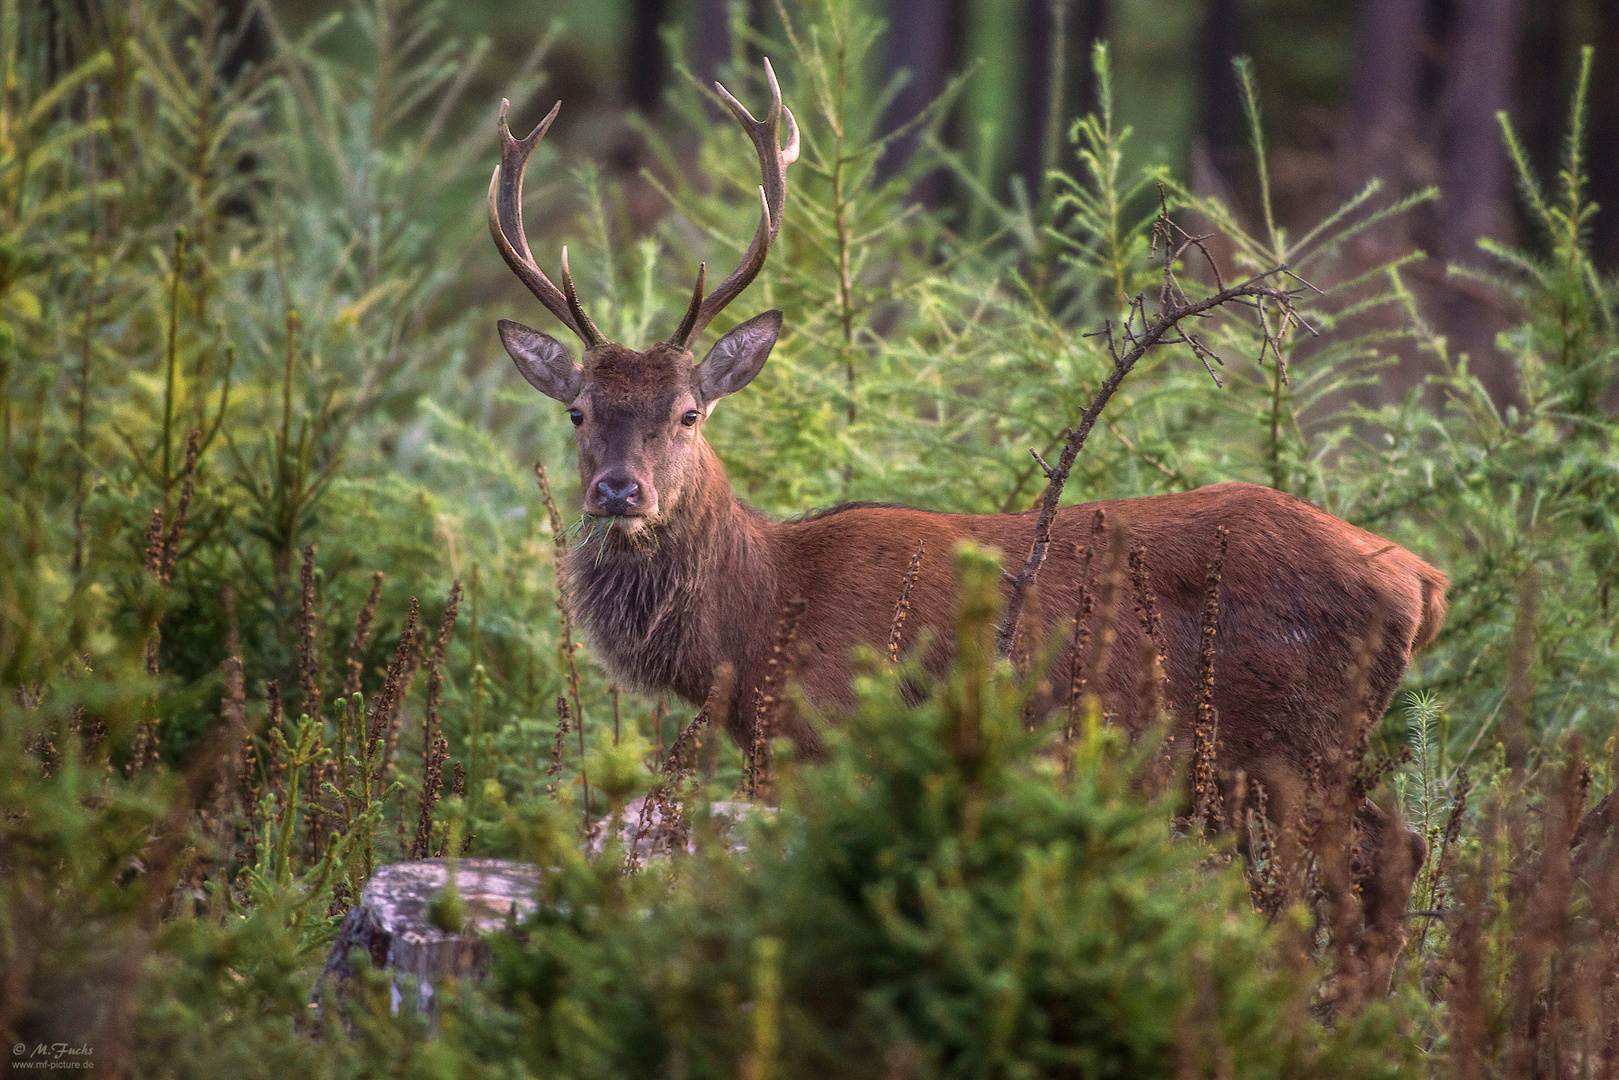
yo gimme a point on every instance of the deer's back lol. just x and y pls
(1301, 596)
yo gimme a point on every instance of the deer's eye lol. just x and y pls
(689, 417)
(576, 416)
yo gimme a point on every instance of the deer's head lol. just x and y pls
(638, 415)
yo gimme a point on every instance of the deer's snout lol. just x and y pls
(616, 494)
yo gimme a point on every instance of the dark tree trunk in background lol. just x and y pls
(1090, 23)
(1541, 116)
(1221, 123)
(1045, 45)
(647, 66)
(1219, 148)
(1602, 140)
(713, 45)
(922, 40)
(1477, 172)
(1385, 93)
(1084, 22)
(1476, 185)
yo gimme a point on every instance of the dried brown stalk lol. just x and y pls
(1152, 696)
(353, 668)
(558, 743)
(566, 646)
(1081, 636)
(1107, 605)
(162, 551)
(393, 687)
(666, 799)
(434, 747)
(413, 660)
(275, 768)
(182, 508)
(1467, 994)
(1208, 814)
(233, 708)
(903, 608)
(308, 649)
(778, 670)
(1337, 791)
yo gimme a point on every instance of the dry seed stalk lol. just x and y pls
(233, 707)
(434, 747)
(665, 797)
(353, 668)
(308, 653)
(1467, 994)
(903, 608)
(566, 647)
(188, 487)
(1107, 606)
(275, 767)
(1338, 790)
(557, 744)
(1083, 610)
(1153, 709)
(1540, 921)
(1208, 814)
(394, 686)
(413, 660)
(777, 672)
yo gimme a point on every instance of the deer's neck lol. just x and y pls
(663, 609)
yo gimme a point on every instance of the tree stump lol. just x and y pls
(393, 922)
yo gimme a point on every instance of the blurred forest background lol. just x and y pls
(1406, 91)
(278, 590)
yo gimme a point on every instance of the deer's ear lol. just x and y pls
(543, 360)
(737, 357)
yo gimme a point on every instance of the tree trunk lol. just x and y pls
(922, 37)
(713, 45)
(1384, 94)
(1222, 124)
(1602, 139)
(393, 922)
(1477, 186)
(1084, 22)
(647, 66)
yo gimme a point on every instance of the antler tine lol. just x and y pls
(683, 334)
(586, 329)
(506, 217)
(773, 162)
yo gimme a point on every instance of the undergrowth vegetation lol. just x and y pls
(278, 603)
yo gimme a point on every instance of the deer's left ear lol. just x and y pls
(737, 357)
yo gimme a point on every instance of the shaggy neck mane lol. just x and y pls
(664, 607)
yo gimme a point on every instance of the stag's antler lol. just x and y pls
(506, 226)
(773, 162)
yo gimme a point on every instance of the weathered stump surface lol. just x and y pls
(391, 923)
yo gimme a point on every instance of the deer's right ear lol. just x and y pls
(543, 360)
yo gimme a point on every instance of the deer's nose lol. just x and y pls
(618, 492)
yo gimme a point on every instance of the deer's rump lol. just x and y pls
(1303, 598)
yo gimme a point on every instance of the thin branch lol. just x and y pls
(1174, 306)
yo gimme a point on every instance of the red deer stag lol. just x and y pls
(689, 578)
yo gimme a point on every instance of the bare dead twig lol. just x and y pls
(1140, 335)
